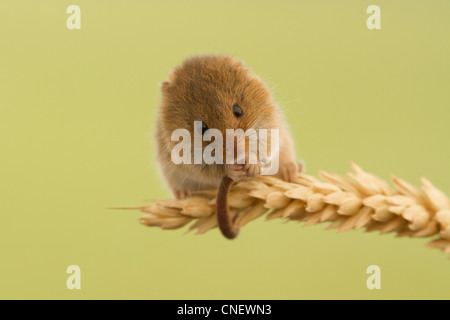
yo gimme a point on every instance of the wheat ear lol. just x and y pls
(360, 200)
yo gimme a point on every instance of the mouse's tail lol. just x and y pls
(223, 216)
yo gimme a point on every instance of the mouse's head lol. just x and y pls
(220, 92)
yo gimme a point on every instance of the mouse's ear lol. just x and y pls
(164, 85)
(242, 64)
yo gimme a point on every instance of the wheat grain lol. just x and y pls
(360, 200)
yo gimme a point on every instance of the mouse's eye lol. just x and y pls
(237, 111)
(202, 129)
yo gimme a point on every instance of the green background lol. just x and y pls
(76, 136)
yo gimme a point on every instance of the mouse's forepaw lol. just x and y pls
(243, 172)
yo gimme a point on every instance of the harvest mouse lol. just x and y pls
(223, 94)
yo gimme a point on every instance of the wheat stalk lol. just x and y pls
(361, 200)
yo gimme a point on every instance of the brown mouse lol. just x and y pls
(223, 94)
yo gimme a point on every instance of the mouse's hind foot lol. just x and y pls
(289, 171)
(181, 194)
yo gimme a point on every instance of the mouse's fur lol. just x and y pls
(205, 88)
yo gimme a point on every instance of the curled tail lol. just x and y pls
(223, 216)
